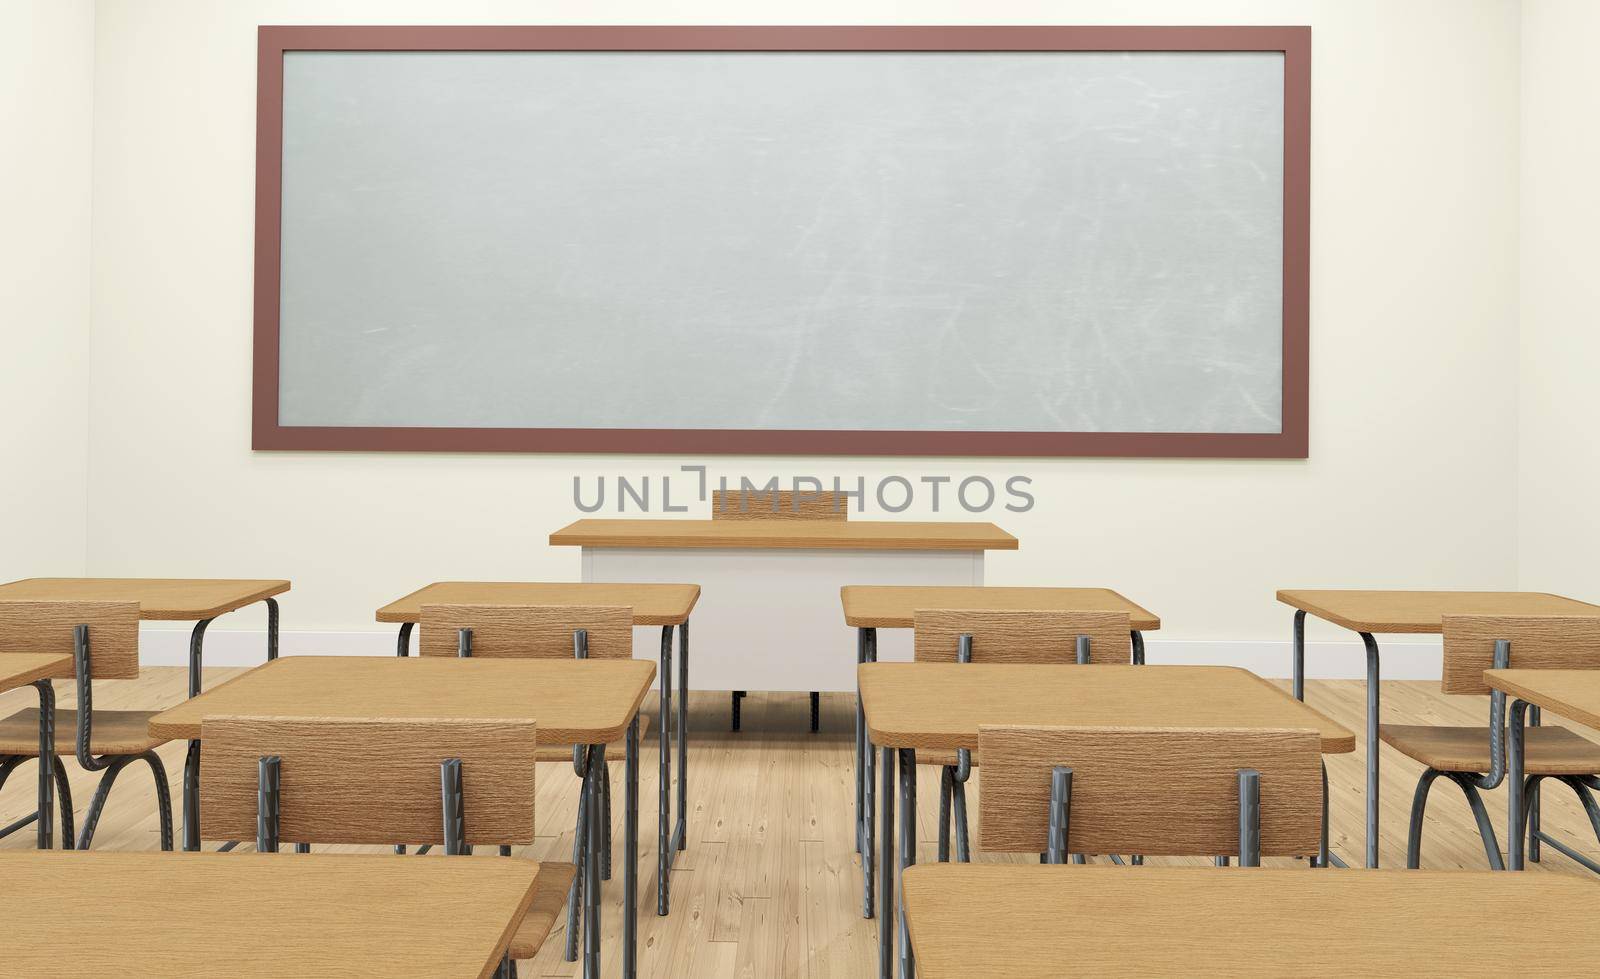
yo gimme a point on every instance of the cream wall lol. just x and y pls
(46, 93)
(1560, 322)
(1414, 306)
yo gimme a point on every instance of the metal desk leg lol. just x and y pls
(908, 854)
(591, 865)
(680, 832)
(1300, 655)
(1516, 828)
(886, 926)
(403, 640)
(1137, 638)
(191, 760)
(1372, 749)
(272, 629)
(664, 852)
(864, 830)
(47, 764)
(861, 744)
(1535, 717)
(630, 850)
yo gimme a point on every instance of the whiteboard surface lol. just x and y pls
(1037, 241)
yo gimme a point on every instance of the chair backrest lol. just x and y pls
(48, 627)
(1538, 642)
(527, 631)
(778, 505)
(1159, 791)
(368, 781)
(1008, 636)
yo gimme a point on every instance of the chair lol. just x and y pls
(455, 783)
(542, 632)
(104, 640)
(1475, 759)
(1169, 791)
(778, 505)
(1004, 636)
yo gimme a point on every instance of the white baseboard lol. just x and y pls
(1407, 659)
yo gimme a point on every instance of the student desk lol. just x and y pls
(585, 702)
(37, 669)
(868, 608)
(197, 600)
(767, 621)
(1575, 695)
(942, 705)
(260, 915)
(1046, 922)
(664, 605)
(1368, 612)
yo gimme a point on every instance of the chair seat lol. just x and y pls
(549, 903)
(564, 752)
(942, 757)
(116, 732)
(1549, 750)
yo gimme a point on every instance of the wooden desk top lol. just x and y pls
(652, 604)
(1044, 922)
(260, 915)
(1574, 694)
(893, 606)
(159, 598)
(573, 701)
(1423, 611)
(859, 535)
(21, 669)
(941, 705)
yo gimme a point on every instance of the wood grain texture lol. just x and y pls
(48, 626)
(1168, 791)
(21, 669)
(588, 702)
(1006, 636)
(262, 916)
(369, 780)
(652, 604)
(1538, 642)
(942, 705)
(873, 535)
(1046, 922)
(549, 902)
(1549, 750)
(527, 631)
(114, 732)
(1573, 694)
(1423, 611)
(894, 606)
(157, 598)
(778, 505)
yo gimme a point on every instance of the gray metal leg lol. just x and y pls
(630, 851)
(947, 778)
(1322, 845)
(403, 641)
(1299, 654)
(861, 744)
(1535, 717)
(272, 629)
(1249, 817)
(963, 846)
(1137, 638)
(1491, 846)
(664, 790)
(869, 861)
(1060, 815)
(605, 821)
(580, 838)
(680, 831)
(1515, 762)
(46, 800)
(1372, 748)
(908, 854)
(886, 869)
(591, 868)
(191, 761)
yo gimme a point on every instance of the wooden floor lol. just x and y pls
(770, 884)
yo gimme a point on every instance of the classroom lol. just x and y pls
(1119, 460)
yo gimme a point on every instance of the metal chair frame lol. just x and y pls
(110, 765)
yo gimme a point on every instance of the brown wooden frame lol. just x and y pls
(1289, 443)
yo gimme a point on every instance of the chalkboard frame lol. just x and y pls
(1291, 442)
